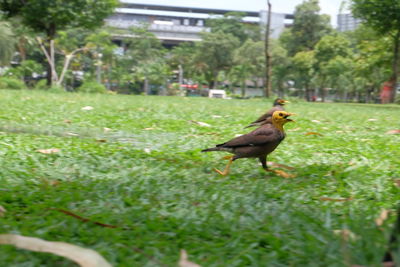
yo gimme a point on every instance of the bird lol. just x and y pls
(257, 143)
(276, 106)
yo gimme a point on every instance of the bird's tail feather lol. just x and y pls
(211, 149)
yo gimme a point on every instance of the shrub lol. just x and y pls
(56, 89)
(11, 83)
(41, 85)
(92, 87)
(397, 100)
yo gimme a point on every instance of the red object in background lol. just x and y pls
(386, 92)
(190, 86)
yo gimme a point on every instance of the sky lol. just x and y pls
(330, 7)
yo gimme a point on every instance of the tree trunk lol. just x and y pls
(395, 66)
(146, 86)
(268, 82)
(51, 33)
(243, 88)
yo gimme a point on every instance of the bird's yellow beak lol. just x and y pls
(290, 120)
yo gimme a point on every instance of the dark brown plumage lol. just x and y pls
(276, 106)
(256, 144)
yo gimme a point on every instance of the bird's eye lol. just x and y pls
(280, 114)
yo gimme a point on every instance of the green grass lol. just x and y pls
(160, 189)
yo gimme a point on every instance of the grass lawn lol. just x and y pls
(135, 162)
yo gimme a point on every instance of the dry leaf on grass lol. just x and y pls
(2, 211)
(335, 199)
(87, 108)
(316, 121)
(48, 151)
(313, 133)
(294, 130)
(184, 262)
(82, 256)
(382, 217)
(346, 234)
(72, 134)
(101, 140)
(148, 129)
(393, 132)
(372, 119)
(67, 121)
(396, 182)
(203, 124)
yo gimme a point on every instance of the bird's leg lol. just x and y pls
(283, 174)
(226, 171)
(263, 161)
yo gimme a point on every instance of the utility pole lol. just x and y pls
(268, 78)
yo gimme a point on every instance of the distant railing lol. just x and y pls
(124, 24)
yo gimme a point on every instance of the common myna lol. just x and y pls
(277, 106)
(256, 144)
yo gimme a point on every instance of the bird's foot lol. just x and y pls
(228, 157)
(282, 173)
(224, 173)
(278, 165)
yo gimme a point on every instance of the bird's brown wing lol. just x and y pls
(260, 136)
(268, 114)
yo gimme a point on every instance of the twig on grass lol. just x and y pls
(69, 213)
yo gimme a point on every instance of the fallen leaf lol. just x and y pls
(388, 264)
(72, 134)
(294, 130)
(396, 182)
(67, 121)
(346, 234)
(82, 256)
(49, 151)
(382, 217)
(203, 124)
(313, 133)
(372, 119)
(316, 121)
(87, 108)
(336, 199)
(2, 211)
(184, 262)
(393, 132)
(101, 140)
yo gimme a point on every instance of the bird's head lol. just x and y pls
(279, 118)
(280, 102)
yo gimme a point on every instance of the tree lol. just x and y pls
(329, 48)
(214, 54)
(7, 43)
(307, 29)
(304, 72)
(229, 23)
(50, 16)
(384, 17)
(143, 54)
